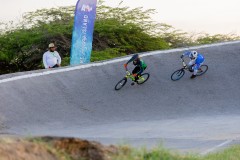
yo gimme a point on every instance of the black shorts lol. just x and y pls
(137, 69)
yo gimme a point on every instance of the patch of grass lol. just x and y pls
(159, 153)
(232, 153)
(107, 54)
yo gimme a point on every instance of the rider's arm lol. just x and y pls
(132, 59)
(186, 53)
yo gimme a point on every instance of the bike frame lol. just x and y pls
(129, 75)
(185, 65)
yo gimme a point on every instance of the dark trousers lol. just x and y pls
(55, 66)
(136, 70)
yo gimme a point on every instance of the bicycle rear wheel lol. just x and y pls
(120, 84)
(143, 78)
(178, 74)
(203, 69)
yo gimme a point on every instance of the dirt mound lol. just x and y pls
(19, 149)
(78, 148)
(53, 148)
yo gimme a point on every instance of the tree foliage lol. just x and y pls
(208, 39)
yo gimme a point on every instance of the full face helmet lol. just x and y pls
(135, 62)
(193, 54)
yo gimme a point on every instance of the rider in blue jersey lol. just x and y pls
(196, 60)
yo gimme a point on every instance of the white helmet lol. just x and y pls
(193, 54)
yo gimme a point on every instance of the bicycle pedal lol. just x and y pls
(132, 83)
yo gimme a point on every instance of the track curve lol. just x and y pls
(188, 114)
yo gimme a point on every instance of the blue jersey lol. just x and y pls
(199, 58)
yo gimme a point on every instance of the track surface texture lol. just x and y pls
(200, 115)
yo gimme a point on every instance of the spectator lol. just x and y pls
(51, 58)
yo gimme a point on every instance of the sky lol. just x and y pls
(193, 16)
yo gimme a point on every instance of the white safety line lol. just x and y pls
(216, 147)
(46, 72)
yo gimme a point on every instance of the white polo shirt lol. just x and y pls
(50, 59)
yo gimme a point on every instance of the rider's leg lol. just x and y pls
(190, 65)
(196, 68)
(136, 70)
(192, 62)
(140, 73)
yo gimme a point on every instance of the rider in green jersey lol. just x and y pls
(139, 64)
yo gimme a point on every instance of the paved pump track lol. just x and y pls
(199, 115)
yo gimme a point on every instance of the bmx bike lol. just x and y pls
(141, 79)
(178, 74)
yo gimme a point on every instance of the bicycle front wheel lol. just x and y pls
(120, 84)
(178, 74)
(143, 78)
(203, 69)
